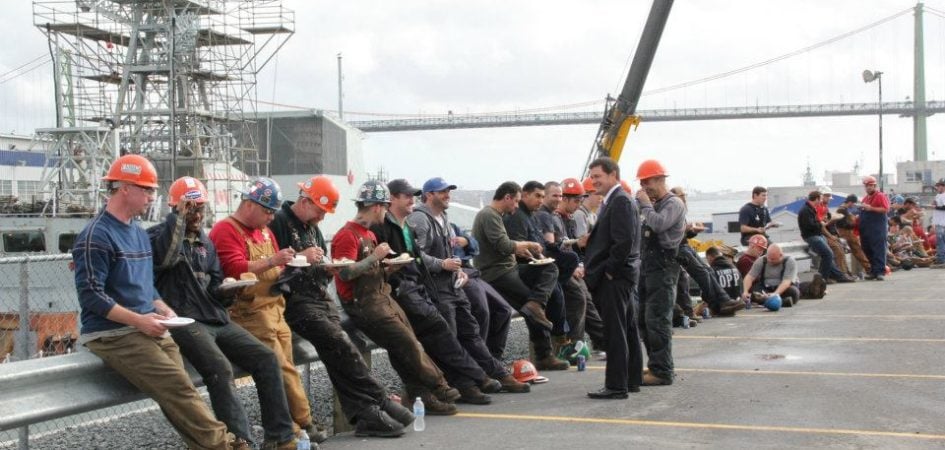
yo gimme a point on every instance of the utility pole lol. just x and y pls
(341, 109)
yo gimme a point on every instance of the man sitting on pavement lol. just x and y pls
(726, 274)
(776, 273)
(188, 276)
(526, 287)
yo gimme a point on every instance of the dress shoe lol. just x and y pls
(491, 386)
(398, 412)
(374, 422)
(633, 389)
(551, 363)
(536, 313)
(608, 394)
(652, 380)
(473, 396)
(729, 307)
(511, 385)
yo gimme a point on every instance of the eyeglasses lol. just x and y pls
(146, 190)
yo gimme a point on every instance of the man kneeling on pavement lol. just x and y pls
(776, 274)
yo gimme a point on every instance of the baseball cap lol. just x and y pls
(437, 184)
(402, 186)
(852, 198)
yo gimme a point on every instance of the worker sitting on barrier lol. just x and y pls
(188, 276)
(123, 316)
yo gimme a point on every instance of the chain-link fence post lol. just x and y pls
(23, 341)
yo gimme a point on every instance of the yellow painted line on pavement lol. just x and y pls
(702, 425)
(853, 316)
(807, 373)
(826, 339)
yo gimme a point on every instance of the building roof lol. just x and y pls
(22, 158)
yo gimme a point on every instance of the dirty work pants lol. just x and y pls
(210, 348)
(855, 248)
(657, 297)
(492, 313)
(155, 367)
(318, 322)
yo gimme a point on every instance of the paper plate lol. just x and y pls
(338, 264)
(397, 261)
(177, 322)
(298, 265)
(538, 380)
(541, 262)
(238, 284)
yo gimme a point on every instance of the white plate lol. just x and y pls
(338, 264)
(541, 262)
(238, 284)
(459, 283)
(174, 322)
(398, 261)
(298, 265)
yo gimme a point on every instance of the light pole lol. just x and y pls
(868, 77)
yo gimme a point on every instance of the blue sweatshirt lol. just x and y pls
(112, 266)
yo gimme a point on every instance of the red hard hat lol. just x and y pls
(649, 169)
(134, 169)
(188, 187)
(626, 186)
(869, 179)
(758, 240)
(572, 187)
(321, 191)
(524, 371)
(588, 186)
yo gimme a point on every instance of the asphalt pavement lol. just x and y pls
(861, 368)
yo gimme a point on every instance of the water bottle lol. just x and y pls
(705, 313)
(304, 442)
(748, 303)
(418, 412)
(581, 363)
(685, 321)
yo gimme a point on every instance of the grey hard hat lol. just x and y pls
(373, 191)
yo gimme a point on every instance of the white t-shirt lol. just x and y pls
(938, 217)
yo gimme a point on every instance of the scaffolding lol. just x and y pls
(174, 80)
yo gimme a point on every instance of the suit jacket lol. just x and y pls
(614, 244)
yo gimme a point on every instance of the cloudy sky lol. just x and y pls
(430, 57)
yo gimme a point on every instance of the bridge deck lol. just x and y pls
(860, 368)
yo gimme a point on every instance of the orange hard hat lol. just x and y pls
(588, 186)
(134, 169)
(626, 186)
(321, 191)
(758, 240)
(572, 187)
(524, 371)
(869, 179)
(649, 169)
(189, 188)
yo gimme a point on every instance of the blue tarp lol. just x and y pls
(14, 158)
(795, 207)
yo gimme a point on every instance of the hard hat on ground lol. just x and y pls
(758, 240)
(372, 192)
(321, 191)
(869, 179)
(134, 169)
(524, 371)
(265, 192)
(188, 187)
(588, 186)
(649, 169)
(773, 303)
(571, 187)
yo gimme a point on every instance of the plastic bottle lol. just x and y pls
(581, 363)
(304, 442)
(685, 321)
(706, 313)
(419, 412)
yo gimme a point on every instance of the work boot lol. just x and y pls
(447, 394)
(550, 362)
(316, 433)
(490, 386)
(473, 396)
(534, 311)
(652, 380)
(728, 308)
(558, 343)
(510, 384)
(242, 444)
(374, 422)
(818, 287)
(788, 302)
(291, 444)
(435, 407)
(397, 412)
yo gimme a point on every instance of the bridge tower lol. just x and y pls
(919, 142)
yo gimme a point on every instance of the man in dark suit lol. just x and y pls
(611, 270)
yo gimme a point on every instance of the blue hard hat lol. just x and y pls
(373, 191)
(773, 303)
(897, 200)
(264, 191)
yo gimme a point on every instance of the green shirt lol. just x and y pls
(496, 251)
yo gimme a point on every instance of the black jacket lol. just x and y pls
(808, 223)
(614, 244)
(188, 274)
(307, 282)
(393, 234)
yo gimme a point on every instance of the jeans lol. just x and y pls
(155, 367)
(207, 348)
(712, 292)
(939, 244)
(492, 313)
(828, 270)
(455, 308)
(516, 292)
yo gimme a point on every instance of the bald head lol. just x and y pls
(775, 255)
